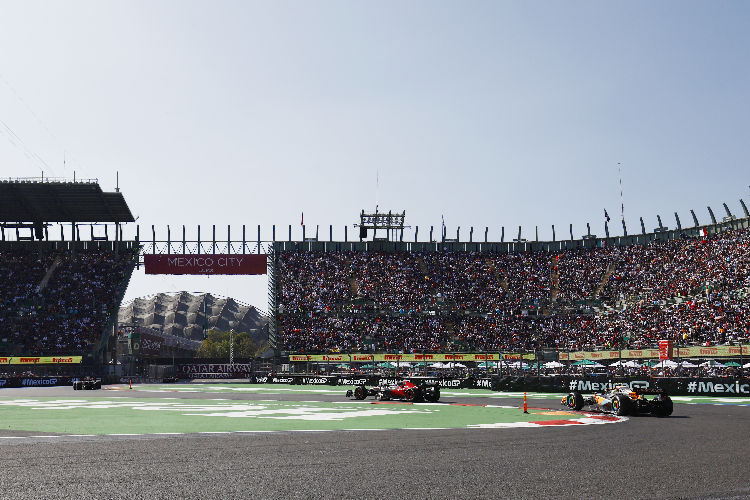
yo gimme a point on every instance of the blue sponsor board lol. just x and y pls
(15, 382)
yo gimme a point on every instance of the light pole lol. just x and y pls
(231, 346)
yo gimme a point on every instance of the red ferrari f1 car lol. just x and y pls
(404, 390)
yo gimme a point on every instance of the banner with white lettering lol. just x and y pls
(15, 382)
(206, 264)
(217, 370)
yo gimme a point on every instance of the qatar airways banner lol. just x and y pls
(205, 264)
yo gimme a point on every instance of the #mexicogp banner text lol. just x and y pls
(41, 360)
(723, 351)
(366, 358)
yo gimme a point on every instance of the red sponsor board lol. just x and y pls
(205, 264)
(423, 357)
(454, 357)
(665, 349)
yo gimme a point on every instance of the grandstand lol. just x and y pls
(687, 285)
(60, 298)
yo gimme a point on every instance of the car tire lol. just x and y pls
(360, 392)
(668, 405)
(432, 394)
(664, 407)
(574, 401)
(620, 405)
(410, 395)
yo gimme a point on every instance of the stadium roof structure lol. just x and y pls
(38, 201)
(189, 315)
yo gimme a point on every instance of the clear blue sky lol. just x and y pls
(489, 113)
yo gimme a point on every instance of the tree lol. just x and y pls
(216, 345)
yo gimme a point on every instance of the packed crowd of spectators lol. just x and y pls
(691, 290)
(58, 303)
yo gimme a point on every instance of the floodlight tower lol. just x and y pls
(393, 223)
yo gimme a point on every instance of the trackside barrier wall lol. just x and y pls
(717, 386)
(14, 382)
(682, 386)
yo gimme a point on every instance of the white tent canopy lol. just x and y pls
(667, 363)
(552, 364)
(628, 364)
(712, 363)
(451, 364)
(688, 364)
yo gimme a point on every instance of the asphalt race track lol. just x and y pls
(702, 451)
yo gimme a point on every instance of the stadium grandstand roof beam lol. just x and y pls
(711, 213)
(729, 216)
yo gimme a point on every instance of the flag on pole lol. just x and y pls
(606, 215)
(302, 222)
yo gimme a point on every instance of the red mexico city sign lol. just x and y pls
(205, 264)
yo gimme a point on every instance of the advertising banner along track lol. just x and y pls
(681, 352)
(366, 358)
(40, 360)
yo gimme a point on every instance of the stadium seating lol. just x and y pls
(691, 290)
(59, 303)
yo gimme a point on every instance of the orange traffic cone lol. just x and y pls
(525, 406)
